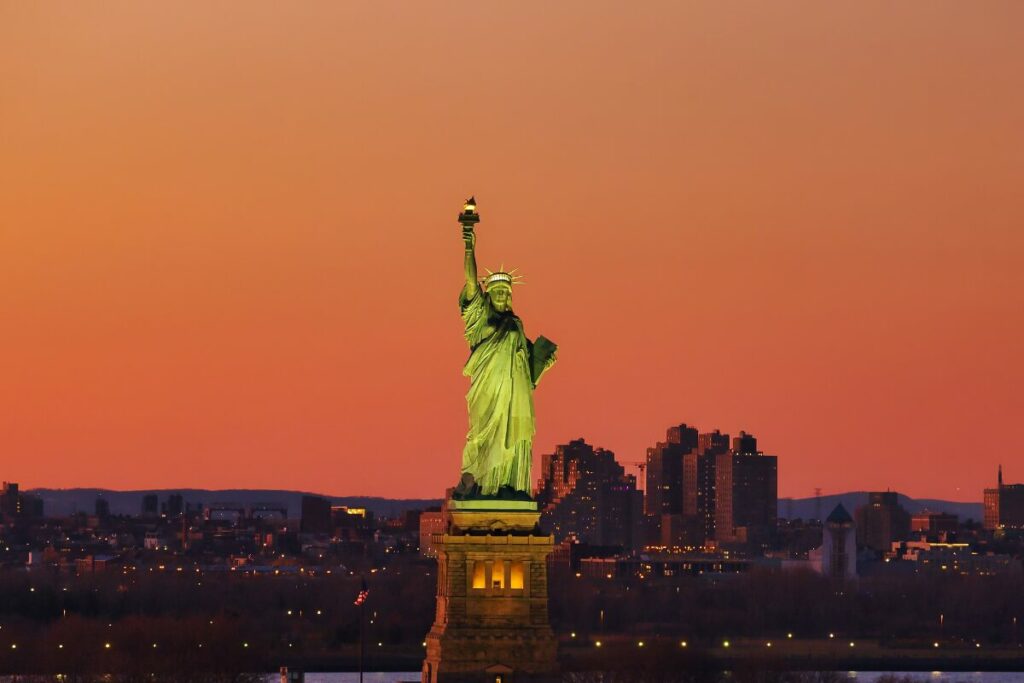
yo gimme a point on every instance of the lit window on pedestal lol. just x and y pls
(498, 576)
(516, 580)
(479, 575)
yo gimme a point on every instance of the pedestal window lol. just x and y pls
(479, 575)
(516, 580)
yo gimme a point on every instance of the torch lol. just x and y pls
(469, 217)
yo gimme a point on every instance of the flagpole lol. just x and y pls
(362, 636)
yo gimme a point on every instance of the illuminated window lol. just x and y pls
(479, 575)
(498, 576)
(515, 580)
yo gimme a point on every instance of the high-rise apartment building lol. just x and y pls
(15, 504)
(881, 521)
(431, 523)
(701, 489)
(720, 493)
(664, 470)
(1004, 505)
(150, 505)
(316, 516)
(10, 500)
(584, 493)
(174, 506)
(746, 484)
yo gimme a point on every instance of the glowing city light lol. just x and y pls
(682, 643)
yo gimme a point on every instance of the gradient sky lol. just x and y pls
(229, 254)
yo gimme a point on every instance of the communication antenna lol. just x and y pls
(817, 503)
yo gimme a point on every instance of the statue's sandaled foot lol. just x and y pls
(466, 488)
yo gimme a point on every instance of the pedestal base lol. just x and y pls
(492, 601)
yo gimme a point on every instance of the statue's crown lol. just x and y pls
(502, 277)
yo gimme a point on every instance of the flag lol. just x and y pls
(364, 593)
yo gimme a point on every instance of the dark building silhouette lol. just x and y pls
(713, 443)
(10, 500)
(699, 489)
(17, 505)
(174, 506)
(316, 515)
(933, 523)
(1004, 505)
(149, 505)
(585, 494)
(102, 508)
(881, 521)
(702, 488)
(746, 486)
(665, 477)
(744, 443)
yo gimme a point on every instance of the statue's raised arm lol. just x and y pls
(472, 285)
(468, 218)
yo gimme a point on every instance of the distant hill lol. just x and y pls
(62, 502)
(805, 508)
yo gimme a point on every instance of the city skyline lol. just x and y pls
(207, 247)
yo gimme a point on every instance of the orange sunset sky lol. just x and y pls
(229, 254)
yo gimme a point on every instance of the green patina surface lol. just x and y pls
(492, 504)
(504, 368)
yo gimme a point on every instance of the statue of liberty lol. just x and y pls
(504, 368)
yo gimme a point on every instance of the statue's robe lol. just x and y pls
(499, 444)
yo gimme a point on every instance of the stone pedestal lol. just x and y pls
(492, 597)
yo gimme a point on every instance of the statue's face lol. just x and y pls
(501, 298)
